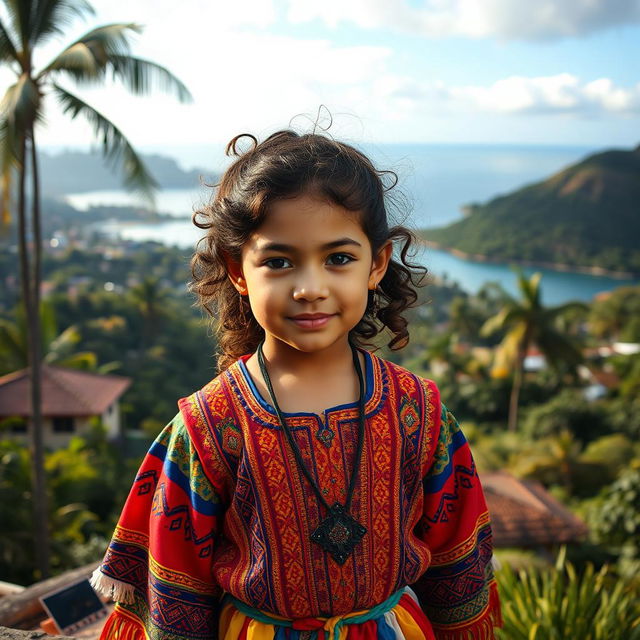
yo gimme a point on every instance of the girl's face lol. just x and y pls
(307, 271)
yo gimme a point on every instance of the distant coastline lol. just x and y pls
(554, 266)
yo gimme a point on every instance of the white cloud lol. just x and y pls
(272, 78)
(246, 75)
(504, 19)
(562, 93)
(559, 94)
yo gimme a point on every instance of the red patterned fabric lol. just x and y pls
(220, 505)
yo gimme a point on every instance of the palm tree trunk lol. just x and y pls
(22, 234)
(37, 231)
(41, 520)
(518, 377)
(515, 394)
(35, 430)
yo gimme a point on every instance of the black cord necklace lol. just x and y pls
(339, 532)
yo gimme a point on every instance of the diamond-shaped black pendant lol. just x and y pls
(338, 533)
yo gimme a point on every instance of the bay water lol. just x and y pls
(434, 182)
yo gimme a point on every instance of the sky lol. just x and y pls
(551, 72)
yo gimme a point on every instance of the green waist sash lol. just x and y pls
(331, 625)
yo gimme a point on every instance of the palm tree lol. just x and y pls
(103, 52)
(57, 348)
(151, 300)
(526, 322)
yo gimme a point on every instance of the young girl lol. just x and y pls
(302, 491)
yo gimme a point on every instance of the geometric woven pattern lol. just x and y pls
(219, 504)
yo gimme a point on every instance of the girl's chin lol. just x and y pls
(310, 342)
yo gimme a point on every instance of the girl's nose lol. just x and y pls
(310, 287)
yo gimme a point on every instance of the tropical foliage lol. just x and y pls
(583, 448)
(560, 602)
(526, 322)
(57, 348)
(101, 54)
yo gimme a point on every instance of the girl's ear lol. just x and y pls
(380, 264)
(234, 271)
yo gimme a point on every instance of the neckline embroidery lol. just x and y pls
(244, 387)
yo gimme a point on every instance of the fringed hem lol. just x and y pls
(121, 627)
(481, 628)
(112, 588)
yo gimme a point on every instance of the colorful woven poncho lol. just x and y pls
(220, 507)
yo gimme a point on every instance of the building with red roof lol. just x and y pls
(524, 514)
(70, 399)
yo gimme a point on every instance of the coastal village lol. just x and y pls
(503, 139)
(532, 488)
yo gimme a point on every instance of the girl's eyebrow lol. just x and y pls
(278, 246)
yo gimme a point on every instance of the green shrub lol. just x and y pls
(568, 411)
(557, 604)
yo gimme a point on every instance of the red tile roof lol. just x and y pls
(65, 392)
(524, 514)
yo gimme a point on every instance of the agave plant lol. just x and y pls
(559, 603)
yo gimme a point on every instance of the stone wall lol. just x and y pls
(18, 634)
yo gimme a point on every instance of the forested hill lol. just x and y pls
(586, 216)
(75, 171)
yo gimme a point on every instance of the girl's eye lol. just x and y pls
(277, 263)
(339, 259)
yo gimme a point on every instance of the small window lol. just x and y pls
(13, 424)
(20, 426)
(63, 424)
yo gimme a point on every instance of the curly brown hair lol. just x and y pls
(284, 165)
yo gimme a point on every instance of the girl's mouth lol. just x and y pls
(311, 320)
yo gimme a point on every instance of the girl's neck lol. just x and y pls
(308, 382)
(284, 360)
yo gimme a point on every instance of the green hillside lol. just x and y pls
(586, 216)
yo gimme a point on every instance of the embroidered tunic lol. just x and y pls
(219, 505)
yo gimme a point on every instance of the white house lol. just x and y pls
(70, 398)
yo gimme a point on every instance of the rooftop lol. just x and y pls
(524, 514)
(65, 392)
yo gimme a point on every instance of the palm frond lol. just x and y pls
(495, 323)
(85, 360)
(54, 16)
(560, 310)
(141, 76)
(508, 350)
(7, 47)
(78, 61)
(101, 43)
(9, 161)
(115, 146)
(48, 325)
(87, 58)
(12, 347)
(506, 317)
(530, 287)
(108, 367)
(61, 345)
(16, 109)
(558, 348)
(5, 204)
(20, 12)
(20, 105)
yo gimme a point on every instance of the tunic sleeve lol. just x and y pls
(158, 565)
(458, 591)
